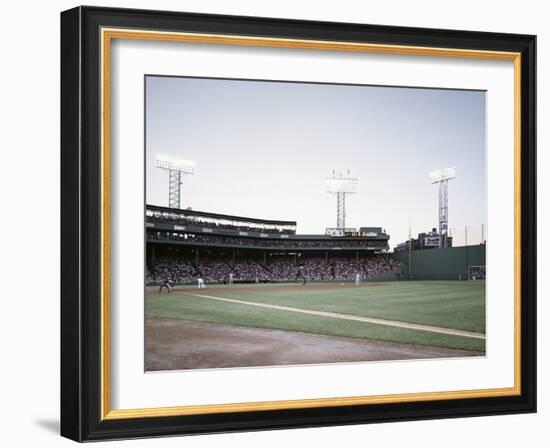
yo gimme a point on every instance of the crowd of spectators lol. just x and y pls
(193, 220)
(172, 270)
(276, 268)
(290, 243)
(336, 268)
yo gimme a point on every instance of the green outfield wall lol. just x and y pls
(440, 264)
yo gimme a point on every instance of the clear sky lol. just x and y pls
(263, 149)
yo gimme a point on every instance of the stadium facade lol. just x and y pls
(182, 245)
(425, 240)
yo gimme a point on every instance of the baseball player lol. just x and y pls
(200, 283)
(357, 279)
(165, 284)
(302, 275)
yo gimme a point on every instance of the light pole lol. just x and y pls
(442, 177)
(176, 169)
(341, 187)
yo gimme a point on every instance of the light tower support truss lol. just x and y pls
(174, 188)
(341, 187)
(442, 177)
(176, 169)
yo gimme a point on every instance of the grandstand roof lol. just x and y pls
(220, 216)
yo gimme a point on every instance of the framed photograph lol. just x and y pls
(273, 223)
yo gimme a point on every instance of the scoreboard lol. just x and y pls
(352, 232)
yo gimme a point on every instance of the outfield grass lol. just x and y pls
(456, 305)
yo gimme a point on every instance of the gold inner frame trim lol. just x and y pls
(107, 35)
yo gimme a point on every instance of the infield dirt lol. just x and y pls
(318, 286)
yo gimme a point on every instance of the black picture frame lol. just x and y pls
(81, 209)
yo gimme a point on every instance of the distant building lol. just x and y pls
(429, 240)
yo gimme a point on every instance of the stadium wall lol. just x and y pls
(385, 277)
(441, 264)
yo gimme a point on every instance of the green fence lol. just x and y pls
(441, 264)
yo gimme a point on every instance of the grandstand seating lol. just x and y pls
(214, 268)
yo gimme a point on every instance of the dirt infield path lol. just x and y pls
(390, 323)
(268, 287)
(318, 286)
(174, 344)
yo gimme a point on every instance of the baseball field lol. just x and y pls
(282, 324)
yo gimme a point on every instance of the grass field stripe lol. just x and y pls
(390, 323)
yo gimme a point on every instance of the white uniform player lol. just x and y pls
(200, 283)
(231, 278)
(357, 279)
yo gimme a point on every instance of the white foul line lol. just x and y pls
(389, 323)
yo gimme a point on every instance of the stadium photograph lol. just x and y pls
(291, 223)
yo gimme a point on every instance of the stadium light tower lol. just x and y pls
(176, 168)
(341, 187)
(442, 177)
